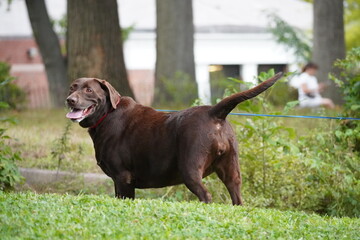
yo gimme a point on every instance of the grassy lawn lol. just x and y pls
(51, 216)
(36, 137)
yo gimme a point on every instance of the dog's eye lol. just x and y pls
(73, 88)
(88, 90)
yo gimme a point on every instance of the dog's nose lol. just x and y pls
(71, 100)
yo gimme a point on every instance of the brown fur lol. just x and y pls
(139, 147)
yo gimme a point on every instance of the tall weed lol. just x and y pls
(64, 150)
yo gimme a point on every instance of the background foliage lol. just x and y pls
(352, 22)
(9, 173)
(349, 82)
(9, 92)
(292, 38)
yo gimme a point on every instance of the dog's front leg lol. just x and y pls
(124, 188)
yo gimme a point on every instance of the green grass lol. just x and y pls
(51, 216)
(35, 137)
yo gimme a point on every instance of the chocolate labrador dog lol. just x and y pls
(139, 147)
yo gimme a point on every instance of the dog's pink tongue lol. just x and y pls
(74, 114)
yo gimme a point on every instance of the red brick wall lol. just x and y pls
(142, 83)
(31, 77)
(29, 71)
(35, 84)
(14, 51)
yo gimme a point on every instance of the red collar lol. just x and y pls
(100, 120)
(103, 117)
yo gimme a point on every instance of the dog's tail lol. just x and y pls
(223, 108)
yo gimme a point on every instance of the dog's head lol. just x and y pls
(89, 99)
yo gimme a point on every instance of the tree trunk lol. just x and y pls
(175, 64)
(50, 51)
(94, 43)
(329, 42)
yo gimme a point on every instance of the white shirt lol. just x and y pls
(311, 83)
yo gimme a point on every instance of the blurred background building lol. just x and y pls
(231, 37)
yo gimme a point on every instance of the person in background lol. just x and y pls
(309, 89)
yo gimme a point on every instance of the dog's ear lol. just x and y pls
(113, 94)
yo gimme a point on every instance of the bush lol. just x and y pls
(349, 82)
(270, 158)
(317, 172)
(9, 173)
(332, 173)
(10, 93)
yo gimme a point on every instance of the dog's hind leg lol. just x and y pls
(229, 172)
(192, 173)
(194, 184)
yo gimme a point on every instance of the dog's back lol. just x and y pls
(139, 147)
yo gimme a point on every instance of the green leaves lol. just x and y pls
(290, 106)
(4, 105)
(317, 172)
(354, 107)
(11, 96)
(349, 82)
(292, 38)
(9, 173)
(6, 81)
(266, 75)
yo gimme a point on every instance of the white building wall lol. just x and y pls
(140, 51)
(247, 50)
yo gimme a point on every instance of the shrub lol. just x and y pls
(270, 159)
(9, 173)
(10, 93)
(349, 82)
(317, 172)
(332, 173)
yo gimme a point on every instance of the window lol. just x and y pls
(219, 81)
(276, 67)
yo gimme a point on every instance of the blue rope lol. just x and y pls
(269, 115)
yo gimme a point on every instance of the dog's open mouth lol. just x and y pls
(78, 115)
